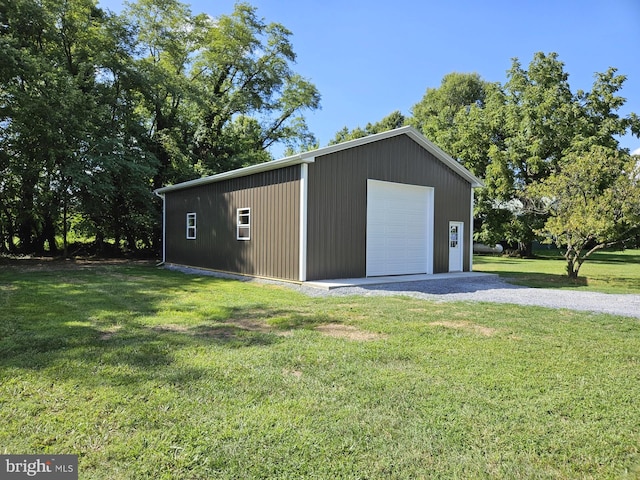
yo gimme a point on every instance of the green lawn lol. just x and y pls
(608, 272)
(148, 373)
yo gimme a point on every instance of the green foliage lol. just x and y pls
(589, 212)
(96, 110)
(390, 122)
(519, 134)
(439, 114)
(50, 110)
(147, 373)
(249, 96)
(608, 271)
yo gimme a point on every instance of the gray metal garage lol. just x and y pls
(387, 204)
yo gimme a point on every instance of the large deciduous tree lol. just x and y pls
(96, 110)
(393, 120)
(593, 201)
(519, 134)
(218, 92)
(440, 114)
(49, 110)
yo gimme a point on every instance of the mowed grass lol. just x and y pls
(604, 271)
(148, 373)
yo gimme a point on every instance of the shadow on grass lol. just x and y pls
(103, 317)
(614, 257)
(542, 280)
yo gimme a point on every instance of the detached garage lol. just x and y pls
(387, 204)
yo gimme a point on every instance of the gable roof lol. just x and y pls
(310, 156)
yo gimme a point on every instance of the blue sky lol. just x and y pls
(370, 57)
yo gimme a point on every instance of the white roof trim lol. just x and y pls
(309, 157)
(240, 172)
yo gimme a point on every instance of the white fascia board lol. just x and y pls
(445, 158)
(309, 157)
(240, 172)
(414, 135)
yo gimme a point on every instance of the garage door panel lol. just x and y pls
(397, 228)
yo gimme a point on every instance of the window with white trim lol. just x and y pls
(244, 224)
(191, 226)
(453, 236)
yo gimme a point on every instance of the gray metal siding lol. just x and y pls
(338, 195)
(272, 251)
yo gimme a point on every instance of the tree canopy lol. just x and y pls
(393, 120)
(98, 109)
(592, 201)
(528, 132)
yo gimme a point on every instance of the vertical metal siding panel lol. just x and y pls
(279, 229)
(279, 260)
(273, 249)
(335, 243)
(337, 182)
(296, 231)
(264, 226)
(285, 250)
(336, 218)
(274, 262)
(254, 200)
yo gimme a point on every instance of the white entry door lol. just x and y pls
(456, 244)
(399, 229)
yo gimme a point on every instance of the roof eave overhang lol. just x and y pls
(240, 172)
(445, 158)
(415, 135)
(309, 157)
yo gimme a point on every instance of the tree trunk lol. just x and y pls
(49, 235)
(131, 242)
(25, 215)
(525, 249)
(65, 244)
(99, 241)
(3, 243)
(572, 270)
(24, 235)
(11, 233)
(574, 262)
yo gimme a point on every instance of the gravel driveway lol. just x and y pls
(491, 288)
(485, 288)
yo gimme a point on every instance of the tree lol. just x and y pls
(440, 113)
(517, 134)
(593, 202)
(464, 116)
(539, 116)
(46, 110)
(96, 110)
(392, 121)
(217, 92)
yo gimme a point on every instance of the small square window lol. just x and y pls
(243, 224)
(191, 226)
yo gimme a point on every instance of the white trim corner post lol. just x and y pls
(304, 186)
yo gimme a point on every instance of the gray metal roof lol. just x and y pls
(310, 156)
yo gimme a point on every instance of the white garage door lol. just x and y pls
(399, 229)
